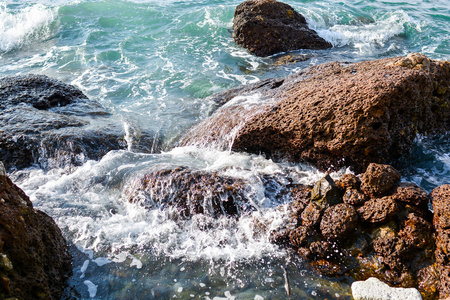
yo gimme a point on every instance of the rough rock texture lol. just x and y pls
(35, 262)
(189, 192)
(46, 122)
(441, 220)
(266, 27)
(379, 179)
(334, 115)
(374, 289)
(388, 235)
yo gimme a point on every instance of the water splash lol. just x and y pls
(21, 27)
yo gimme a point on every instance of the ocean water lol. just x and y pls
(153, 63)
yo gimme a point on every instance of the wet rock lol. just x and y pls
(338, 221)
(333, 115)
(190, 192)
(374, 289)
(46, 122)
(390, 237)
(379, 180)
(378, 211)
(354, 197)
(266, 27)
(348, 181)
(440, 198)
(325, 192)
(410, 193)
(299, 236)
(311, 215)
(428, 282)
(35, 262)
(415, 230)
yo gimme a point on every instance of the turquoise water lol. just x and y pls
(153, 63)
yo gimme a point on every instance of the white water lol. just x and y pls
(22, 28)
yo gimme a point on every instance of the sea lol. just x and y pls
(153, 64)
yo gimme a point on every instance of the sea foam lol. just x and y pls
(19, 27)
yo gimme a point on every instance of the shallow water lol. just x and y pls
(153, 63)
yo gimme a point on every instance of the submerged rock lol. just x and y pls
(266, 27)
(35, 262)
(190, 192)
(374, 289)
(46, 122)
(334, 115)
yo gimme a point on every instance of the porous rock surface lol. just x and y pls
(441, 206)
(35, 262)
(51, 124)
(374, 289)
(388, 235)
(267, 27)
(334, 115)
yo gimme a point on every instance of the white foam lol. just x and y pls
(20, 27)
(92, 288)
(364, 36)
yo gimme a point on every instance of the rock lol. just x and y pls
(189, 192)
(379, 180)
(333, 115)
(440, 198)
(378, 211)
(354, 197)
(394, 240)
(326, 192)
(311, 215)
(348, 181)
(35, 262)
(410, 193)
(46, 122)
(338, 221)
(374, 289)
(266, 27)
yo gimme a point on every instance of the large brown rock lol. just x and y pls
(34, 259)
(266, 27)
(334, 115)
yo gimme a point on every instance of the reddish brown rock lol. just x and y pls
(34, 259)
(441, 206)
(378, 211)
(266, 27)
(189, 192)
(335, 115)
(338, 221)
(440, 198)
(379, 180)
(348, 181)
(311, 215)
(415, 230)
(354, 197)
(410, 193)
(394, 241)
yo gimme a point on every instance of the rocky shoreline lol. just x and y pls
(363, 116)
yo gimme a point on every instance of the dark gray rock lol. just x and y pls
(52, 124)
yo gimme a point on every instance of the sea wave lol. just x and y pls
(23, 26)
